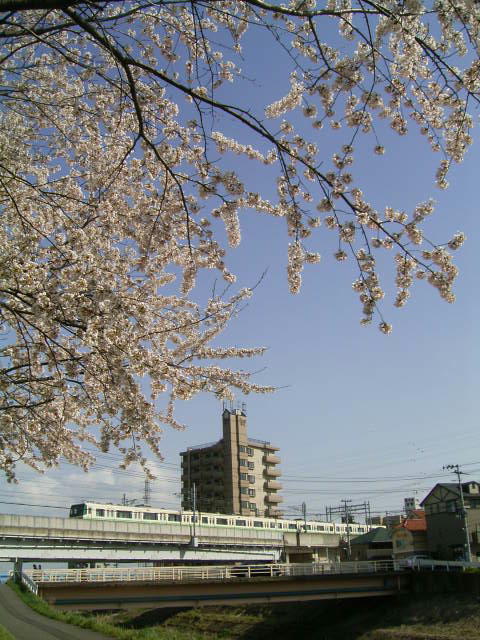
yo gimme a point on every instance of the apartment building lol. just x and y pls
(237, 474)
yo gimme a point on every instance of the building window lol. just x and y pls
(252, 506)
(244, 491)
(244, 504)
(251, 479)
(249, 451)
(243, 463)
(242, 448)
(251, 493)
(243, 476)
(251, 465)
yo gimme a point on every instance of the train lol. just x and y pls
(152, 515)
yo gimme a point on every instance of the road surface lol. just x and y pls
(26, 624)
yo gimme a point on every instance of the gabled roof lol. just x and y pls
(380, 534)
(453, 488)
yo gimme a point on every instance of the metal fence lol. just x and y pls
(235, 572)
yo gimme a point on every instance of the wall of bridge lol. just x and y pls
(154, 595)
(54, 528)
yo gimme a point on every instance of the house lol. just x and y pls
(446, 520)
(410, 537)
(376, 544)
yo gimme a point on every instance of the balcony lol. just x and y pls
(272, 472)
(272, 512)
(273, 498)
(269, 458)
(272, 484)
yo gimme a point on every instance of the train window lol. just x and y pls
(194, 519)
(292, 526)
(222, 521)
(257, 523)
(320, 527)
(150, 516)
(124, 514)
(308, 527)
(100, 513)
(240, 523)
(204, 520)
(174, 517)
(89, 510)
(273, 525)
(280, 525)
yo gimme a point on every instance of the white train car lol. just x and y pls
(211, 521)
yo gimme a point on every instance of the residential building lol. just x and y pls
(410, 537)
(237, 474)
(376, 544)
(446, 520)
(410, 504)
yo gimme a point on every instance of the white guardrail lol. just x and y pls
(232, 572)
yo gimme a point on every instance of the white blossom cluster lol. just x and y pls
(119, 149)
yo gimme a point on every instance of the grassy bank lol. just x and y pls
(440, 617)
(102, 624)
(433, 618)
(4, 635)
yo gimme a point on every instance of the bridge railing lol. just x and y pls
(233, 572)
(184, 574)
(29, 582)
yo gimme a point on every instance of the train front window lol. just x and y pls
(78, 510)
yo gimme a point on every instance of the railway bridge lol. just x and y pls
(44, 538)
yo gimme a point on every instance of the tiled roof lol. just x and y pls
(415, 521)
(380, 534)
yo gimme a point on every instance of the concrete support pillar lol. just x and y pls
(17, 570)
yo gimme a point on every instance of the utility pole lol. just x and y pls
(456, 470)
(304, 513)
(194, 541)
(347, 520)
(147, 492)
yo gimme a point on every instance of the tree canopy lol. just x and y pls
(122, 126)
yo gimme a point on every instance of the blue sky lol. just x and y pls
(358, 415)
